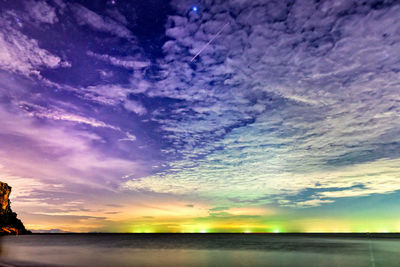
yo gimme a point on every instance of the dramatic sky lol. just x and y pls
(288, 119)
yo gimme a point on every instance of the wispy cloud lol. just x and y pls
(41, 11)
(135, 106)
(127, 62)
(21, 54)
(63, 116)
(97, 22)
(129, 137)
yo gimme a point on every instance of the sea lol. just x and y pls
(200, 250)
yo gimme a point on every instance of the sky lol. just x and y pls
(287, 120)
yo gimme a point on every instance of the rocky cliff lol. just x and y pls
(9, 223)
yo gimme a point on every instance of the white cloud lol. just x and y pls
(136, 107)
(116, 95)
(314, 202)
(41, 11)
(86, 16)
(58, 114)
(21, 54)
(129, 137)
(107, 94)
(127, 62)
(62, 116)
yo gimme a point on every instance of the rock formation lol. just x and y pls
(9, 223)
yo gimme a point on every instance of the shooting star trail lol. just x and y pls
(209, 42)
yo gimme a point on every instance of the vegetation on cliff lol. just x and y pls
(9, 223)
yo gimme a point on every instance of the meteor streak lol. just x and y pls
(209, 42)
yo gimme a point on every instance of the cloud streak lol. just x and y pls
(129, 63)
(97, 22)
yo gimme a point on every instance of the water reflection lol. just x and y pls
(200, 250)
(1, 246)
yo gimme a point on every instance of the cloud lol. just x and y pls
(129, 137)
(21, 54)
(116, 95)
(257, 185)
(110, 94)
(71, 154)
(136, 107)
(107, 94)
(127, 62)
(41, 11)
(86, 16)
(287, 95)
(76, 167)
(314, 202)
(118, 16)
(63, 116)
(58, 114)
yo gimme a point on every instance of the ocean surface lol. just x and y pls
(200, 250)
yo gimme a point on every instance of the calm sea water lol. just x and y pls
(199, 250)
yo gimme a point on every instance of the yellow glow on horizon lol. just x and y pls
(128, 220)
(211, 229)
(251, 211)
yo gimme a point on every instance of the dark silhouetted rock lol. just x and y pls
(9, 223)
